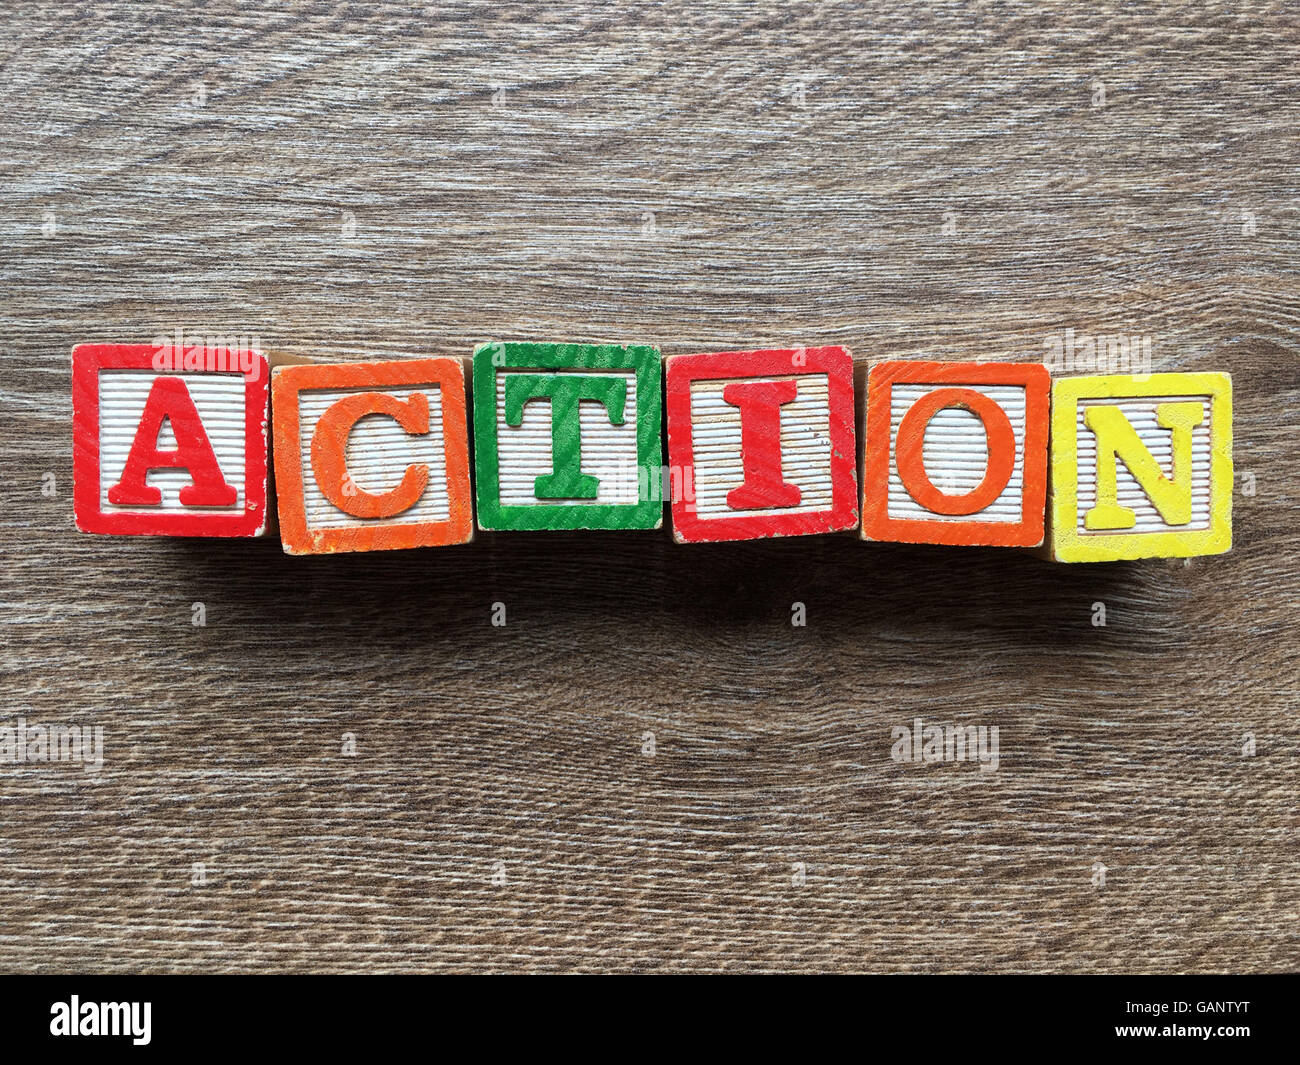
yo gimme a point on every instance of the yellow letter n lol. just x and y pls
(1117, 439)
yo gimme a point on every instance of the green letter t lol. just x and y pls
(565, 391)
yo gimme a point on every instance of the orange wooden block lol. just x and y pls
(956, 453)
(371, 456)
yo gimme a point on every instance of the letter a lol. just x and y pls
(170, 400)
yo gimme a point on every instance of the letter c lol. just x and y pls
(329, 461)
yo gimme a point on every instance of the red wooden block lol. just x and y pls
(761, 443)
(169, 441)
(956, 453)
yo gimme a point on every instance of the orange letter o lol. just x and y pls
(911, 461)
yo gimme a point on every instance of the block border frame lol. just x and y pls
(643, 360)
(288, 382)
(88, 360)
(1065, 543)
(836, 362)
(877, 525)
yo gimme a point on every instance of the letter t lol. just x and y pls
(565, 391)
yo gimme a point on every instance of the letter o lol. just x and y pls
(910, 446)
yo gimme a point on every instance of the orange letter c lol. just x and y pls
(329, 445)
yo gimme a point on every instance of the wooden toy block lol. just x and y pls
(956, 453)
(567, 436)
(1141, 467)
(169, 441)
(371, 456)
(761, 443)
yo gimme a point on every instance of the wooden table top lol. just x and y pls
(648, 767)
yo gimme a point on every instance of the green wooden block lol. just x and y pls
(567, 436)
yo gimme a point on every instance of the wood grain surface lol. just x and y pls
(648, 767)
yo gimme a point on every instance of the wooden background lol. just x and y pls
(956, 181)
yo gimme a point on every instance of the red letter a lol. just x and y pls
(169, 399)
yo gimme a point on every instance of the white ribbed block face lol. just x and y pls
(609, 452)
(219, 399)
(956, 452)
(379, 452)
(1141, 414)
(805, 446)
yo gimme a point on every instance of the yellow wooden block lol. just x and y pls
(1141, 467)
